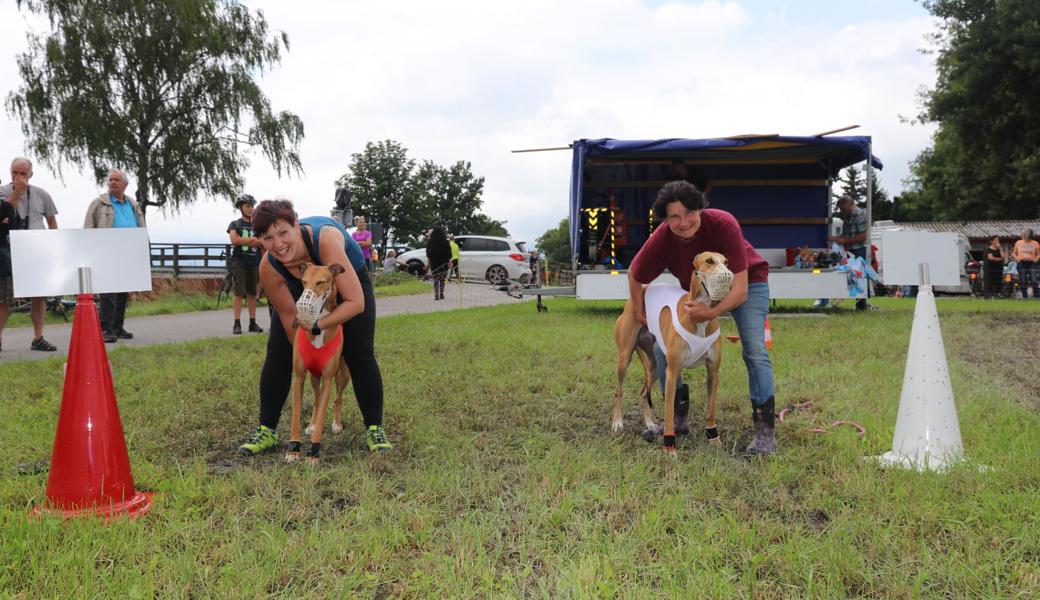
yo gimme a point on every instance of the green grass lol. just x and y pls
(509, 483)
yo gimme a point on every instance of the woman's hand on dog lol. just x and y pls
(699, 312)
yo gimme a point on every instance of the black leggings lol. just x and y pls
(358, 354)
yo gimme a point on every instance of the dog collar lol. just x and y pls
(314, 358)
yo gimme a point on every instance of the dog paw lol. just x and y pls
(650, 434)
(617, 426)
(337, 428)
(670, 452)
(313, 460)
(682, 426)
(291, 457)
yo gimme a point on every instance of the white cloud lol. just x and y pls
(471, 80)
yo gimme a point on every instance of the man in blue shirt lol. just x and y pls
(114, 209)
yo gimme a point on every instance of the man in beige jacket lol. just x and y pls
(114, 209)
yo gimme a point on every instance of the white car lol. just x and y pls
(495, 259)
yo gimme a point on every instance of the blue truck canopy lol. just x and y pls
(776, 186)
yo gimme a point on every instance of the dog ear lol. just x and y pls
(695, 282)
(304, 267)
(336, 269)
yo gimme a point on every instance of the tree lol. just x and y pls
(380, 180)
(481, 224)
(164, 91)
(853, 184)
(556, 243)
(407, 199)
(985, 159)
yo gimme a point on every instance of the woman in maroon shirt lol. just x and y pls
(689, 229)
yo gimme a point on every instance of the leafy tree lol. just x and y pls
(163, 90)
(380, 180)
(481, 224)
(985, 158)
(407, 199)
(556, 243)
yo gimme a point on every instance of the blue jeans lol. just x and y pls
(1027, 276)
(750, 318)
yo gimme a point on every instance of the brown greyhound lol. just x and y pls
(323, 364)
(631, 336)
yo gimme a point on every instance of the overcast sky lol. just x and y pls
(472, 80)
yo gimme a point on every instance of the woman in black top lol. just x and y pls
(994, 267)
(438, 254)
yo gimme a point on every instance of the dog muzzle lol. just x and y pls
(716, 283)
(308, 307)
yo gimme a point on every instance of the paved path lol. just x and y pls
(185, 327)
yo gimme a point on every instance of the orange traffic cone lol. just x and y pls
(90, 468)
(769, 336)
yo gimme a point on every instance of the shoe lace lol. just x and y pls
(257, 436)
(377, 436)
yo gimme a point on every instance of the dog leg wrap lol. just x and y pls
(294, 446)
(314, 451)
(669, 441)
(712, 433)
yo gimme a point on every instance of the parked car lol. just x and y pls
(494, 259)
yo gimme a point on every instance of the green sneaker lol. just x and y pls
(377, 441)
(264, 438)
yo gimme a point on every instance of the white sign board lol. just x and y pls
(903, 252)
(46, 262)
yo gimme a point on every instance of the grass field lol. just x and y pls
(507, 482)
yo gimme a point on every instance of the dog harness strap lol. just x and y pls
(314, 358)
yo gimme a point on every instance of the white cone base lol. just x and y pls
(928, 462)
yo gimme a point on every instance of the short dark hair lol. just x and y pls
(269, 211)
(676, 191)
(846, 200)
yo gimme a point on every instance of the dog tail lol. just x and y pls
(645, 345)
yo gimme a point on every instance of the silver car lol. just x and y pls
(494, 259)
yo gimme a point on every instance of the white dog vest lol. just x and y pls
(660, 296)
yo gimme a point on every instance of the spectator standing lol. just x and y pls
(114, 209)
(390, 262)
(853, 236)
(8, 221)
(438, 254)
(454, 259)
(363, 237)
(244, 263)
(1027, 252)
(35, 210)
(994, 273)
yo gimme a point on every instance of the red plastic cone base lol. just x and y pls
(90, 467)
(139, 505)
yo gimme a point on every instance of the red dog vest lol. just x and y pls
(314, 359)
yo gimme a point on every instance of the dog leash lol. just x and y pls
(860, 430)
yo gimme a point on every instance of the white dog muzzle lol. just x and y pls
(716, 283)
(308, 307)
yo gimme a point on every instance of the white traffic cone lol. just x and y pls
(928, 435)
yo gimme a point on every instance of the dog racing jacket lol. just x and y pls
(659, 296)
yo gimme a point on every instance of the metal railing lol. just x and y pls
(189, 259)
